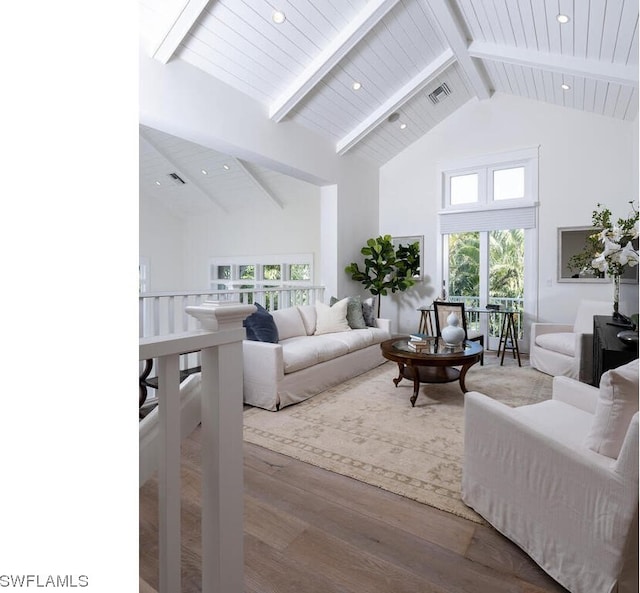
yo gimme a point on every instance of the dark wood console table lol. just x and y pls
(608, 351)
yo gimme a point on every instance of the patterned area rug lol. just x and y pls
(367, 429)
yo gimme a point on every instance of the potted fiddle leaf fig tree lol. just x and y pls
(386, 269)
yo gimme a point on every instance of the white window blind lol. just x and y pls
(488, 220)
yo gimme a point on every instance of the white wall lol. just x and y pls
(262, 229)
(161, 240)
(584, 159)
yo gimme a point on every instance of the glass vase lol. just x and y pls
(616, 295)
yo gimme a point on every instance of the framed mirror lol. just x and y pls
(573, 264)
(408, 240)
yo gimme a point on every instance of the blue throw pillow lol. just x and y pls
(260, 326)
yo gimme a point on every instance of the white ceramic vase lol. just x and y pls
(452, 334)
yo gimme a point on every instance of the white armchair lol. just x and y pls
(562, 349)
(560, 478)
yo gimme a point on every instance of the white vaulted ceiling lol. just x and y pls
(208, 180)
(400, 51)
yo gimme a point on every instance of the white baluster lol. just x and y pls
(169, 484)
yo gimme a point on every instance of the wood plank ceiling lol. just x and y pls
(401, 51)
(189, 179)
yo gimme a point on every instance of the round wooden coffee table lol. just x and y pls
(434, 366)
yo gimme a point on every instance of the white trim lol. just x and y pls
(457, 39)
(604, 71)
(263, 189)
(178, 30)
(290, 258)
(496, 158)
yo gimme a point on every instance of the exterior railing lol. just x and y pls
(163, 313)
(221, 436)
(474, 320)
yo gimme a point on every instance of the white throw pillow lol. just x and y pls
(289, 323)
(309, 316)
(332, 319)
(617, 403)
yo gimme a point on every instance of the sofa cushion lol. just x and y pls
(309, 316)
(355, 318)
(562, 342)
(616, 405)
(356, 339)
(289, 323)
(368, 312)
(557, 421)
(260, 326)
(332, 319)
(302, 352)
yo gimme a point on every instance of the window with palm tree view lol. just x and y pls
(488, 227)
(496, 278)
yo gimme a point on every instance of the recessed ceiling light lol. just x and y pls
(565, 87)
(562, 19)
(278, 17)
(226, 167)
(356, 86)
(403, 126)
(204, 171)
(158, 183)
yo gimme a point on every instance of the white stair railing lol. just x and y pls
(220, 344)
(162, 313)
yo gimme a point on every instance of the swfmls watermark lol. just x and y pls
(50, 581)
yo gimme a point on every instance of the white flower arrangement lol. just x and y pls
(613, 246)
(617, 239)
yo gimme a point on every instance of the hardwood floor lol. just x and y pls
(308, 530)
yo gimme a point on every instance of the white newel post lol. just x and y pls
(222, 474)
(222, 467)
(220, 343)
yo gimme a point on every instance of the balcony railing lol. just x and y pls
(164, 313)
(505, 303)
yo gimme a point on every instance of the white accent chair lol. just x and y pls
(562, 349)
(560, 478)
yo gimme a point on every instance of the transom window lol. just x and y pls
(227, 273)
(506, 181)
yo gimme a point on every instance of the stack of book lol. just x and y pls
(420, 342)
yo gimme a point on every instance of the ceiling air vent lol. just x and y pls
(440, 93)
(177, 179)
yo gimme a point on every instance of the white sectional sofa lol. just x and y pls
(308, 357)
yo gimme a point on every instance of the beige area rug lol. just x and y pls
(366, 429)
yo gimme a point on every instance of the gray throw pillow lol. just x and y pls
(368, 311)
(355, 318)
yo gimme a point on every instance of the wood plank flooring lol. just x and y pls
(308, 530)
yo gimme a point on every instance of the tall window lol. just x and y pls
(488, 226)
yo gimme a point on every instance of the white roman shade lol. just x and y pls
(488, 219)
